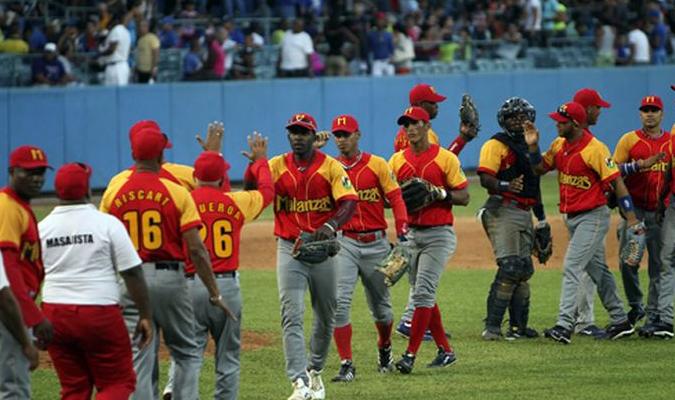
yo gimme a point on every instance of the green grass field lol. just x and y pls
(536, 369)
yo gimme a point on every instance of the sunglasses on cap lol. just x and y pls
(299, 130)
(341, 134)
(652, 109)
(407, 122)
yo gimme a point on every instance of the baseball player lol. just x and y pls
(178, 173)
(160, 216)
(426, 97)
(584, 167)
(83, 250)
(431, 235)
(643, 156)
(585, 325)
(12, 321)
(364, 244)
(20, 248)
(224, 215)
(312, 194)
(505, 171)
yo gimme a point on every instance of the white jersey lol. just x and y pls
(120, 35)
(82, 248)
(3, 278)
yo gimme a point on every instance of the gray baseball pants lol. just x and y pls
(226, 334)
(667, 277)
(586, 252)
(360, 259)
(293, 279)
(14, 368)
(432, 247)
(172, 314)
(631, 280)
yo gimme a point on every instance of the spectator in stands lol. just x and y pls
(381, 47)
(244, 61)
(233, 31)
(257, 33)
(189, 10)
(193, 62)
(549, 9)
(14, 43)
(337, 36)
(115, 53)
(279, 32)
(35, 37)
(511, 43)
(168, 37)
(147, 53)
(294, 54)
(622, 49)
(412, 29)
(48, 70)
(560, 21)
(658, 35)
(404, 50)
(104, 16)
(67, 44)
(639, 43)
(605, 37)
(215, 63)
(229, 45)
(533, 16)
(88, 40)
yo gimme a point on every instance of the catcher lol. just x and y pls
(433, 181)
(513, 188)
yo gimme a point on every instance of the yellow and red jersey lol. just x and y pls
(437, 165)
(584, 167)
(496, 156)
(177, 173)
(223, 216)
(645, 187)
(401, 141)
(155, 211)
(21, 252)
(306, 197)
(373, 181)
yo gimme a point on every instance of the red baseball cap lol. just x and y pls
(345, 123)
(147, 124)
(210, 167)
(590, 97)
(424, 92)
(148, 143)
(72, 181)
(28, 157)
(651, 101)
(571, 111)
(415, 114)
(304, 120)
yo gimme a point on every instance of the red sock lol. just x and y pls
(420, 323)
(343, 341)
(437, 330)
(383, 334)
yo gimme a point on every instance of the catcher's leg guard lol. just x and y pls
(502, 290)
(519, 308)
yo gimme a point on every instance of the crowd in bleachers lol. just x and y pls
(164, 40)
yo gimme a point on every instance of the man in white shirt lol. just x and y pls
(533, 21)
(294, 55)
(639, 44)
(83, 250)
(12, 321)
(116, 53)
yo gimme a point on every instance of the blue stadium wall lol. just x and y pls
(91, 124)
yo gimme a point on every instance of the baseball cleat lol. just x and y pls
(167, 396)
(593, 331)
(559, 334)
(491, 334)
(347, 372)
(657, 329)
(635, 315)
(618, 331)
(443, 359)
(385, 360)
(316, 389)
(300, 391)
(405, 364)
(515, 333)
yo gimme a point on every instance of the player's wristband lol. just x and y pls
(626, 203)
(536, 158)
(503, 186)
(215, 299)
(629, 168)
(331, 227)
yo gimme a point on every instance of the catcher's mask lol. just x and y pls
(512, 107)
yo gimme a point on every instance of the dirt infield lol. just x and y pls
(258, 249)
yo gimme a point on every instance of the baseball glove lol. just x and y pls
(468, 114)
(309, 250)
(395, 264)
(634, 248)
(543, 243)
(418, 193)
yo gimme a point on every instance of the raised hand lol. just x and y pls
(258, 145)
(214, 137)
(321, 140)
(531, 133)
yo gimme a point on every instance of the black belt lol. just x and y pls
(228, 274)
(578, 213)
(167, 265)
